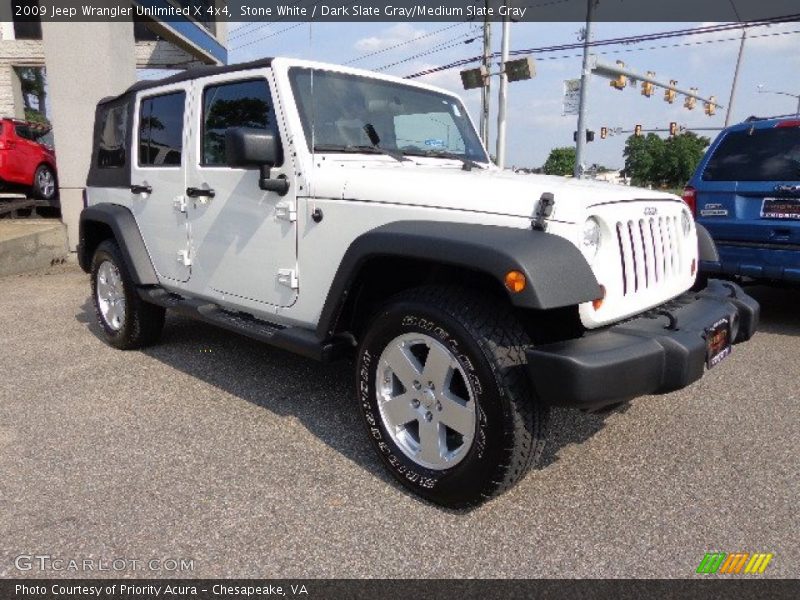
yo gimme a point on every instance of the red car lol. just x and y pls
(27, 160)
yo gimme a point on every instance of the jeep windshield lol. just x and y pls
(356, 114)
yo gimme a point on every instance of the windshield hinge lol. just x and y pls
(288, 277)
(286, 211)
(543, 210)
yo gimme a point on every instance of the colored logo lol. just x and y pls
(736, 563)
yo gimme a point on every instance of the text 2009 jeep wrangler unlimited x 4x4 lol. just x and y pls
(323, 209)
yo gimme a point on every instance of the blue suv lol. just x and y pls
(746, 192)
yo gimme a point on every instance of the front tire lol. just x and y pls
(442, 387)
(127, 321)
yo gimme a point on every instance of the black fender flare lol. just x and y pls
(706, 248)
(126, 232)
(556, 271)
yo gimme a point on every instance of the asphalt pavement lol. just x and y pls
(252, 462)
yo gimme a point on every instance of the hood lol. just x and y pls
(440, 183)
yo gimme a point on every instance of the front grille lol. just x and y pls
(649, 253)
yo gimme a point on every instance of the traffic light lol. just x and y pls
(637, 131)
(673, 128)
(670, 94)
(647, 87)
(711, 107)
(603, 133)
(589, 135)
(690, 101)
(621, 80)
(474, 78)
(520, 69)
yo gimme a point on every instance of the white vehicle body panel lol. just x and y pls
(238, 244)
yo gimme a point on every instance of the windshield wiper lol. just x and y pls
(359, 149)
(467, 164)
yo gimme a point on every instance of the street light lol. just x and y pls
(761, 90)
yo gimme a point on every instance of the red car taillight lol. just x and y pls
(690, 197)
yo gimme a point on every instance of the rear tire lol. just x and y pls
(127, 321)
(45, 186)
(444, 368)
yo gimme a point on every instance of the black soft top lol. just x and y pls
(189, 74)
(113, 137)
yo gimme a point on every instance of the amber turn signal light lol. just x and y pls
(598, 302)
(515, 282)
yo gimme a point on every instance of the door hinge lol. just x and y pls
(288, 277)
(179, 202)
(286, 210)
(184, 258)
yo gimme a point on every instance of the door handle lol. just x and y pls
(194, 192)
(141, 189)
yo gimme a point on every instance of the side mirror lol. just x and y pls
(248, 147)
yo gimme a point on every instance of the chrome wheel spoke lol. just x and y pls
(438, 367)
(456, 415)
(398, 411)
(431, 442)
(403, 364)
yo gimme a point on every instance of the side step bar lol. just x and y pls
(294, 339)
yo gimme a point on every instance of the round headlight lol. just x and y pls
(686, 223)
(590, 238)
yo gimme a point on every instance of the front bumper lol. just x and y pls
(659, 352)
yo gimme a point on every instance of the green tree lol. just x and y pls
(560, 162)
(682, 154)
(651, 160)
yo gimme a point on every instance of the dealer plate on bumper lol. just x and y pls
(718, 342)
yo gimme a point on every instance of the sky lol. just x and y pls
(535, 124)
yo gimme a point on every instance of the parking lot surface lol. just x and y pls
(252, 462)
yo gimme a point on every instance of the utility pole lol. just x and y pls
(502, 98)
(735, 77)
(586, 76)
(486, 90)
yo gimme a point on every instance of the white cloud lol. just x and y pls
(402, 33)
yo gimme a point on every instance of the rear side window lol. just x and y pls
(161, 130)
(237, 104)
(24, 132)
(111, 136)
(771, 154)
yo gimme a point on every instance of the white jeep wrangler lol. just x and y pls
(335, 212)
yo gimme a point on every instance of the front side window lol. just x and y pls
(237, 104)
(343, 112)
(161, 130)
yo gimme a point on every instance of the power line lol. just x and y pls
(614, 41)
(437, 48)
(269, 36)
(406, 42)
(678, 45)
(238, 35)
